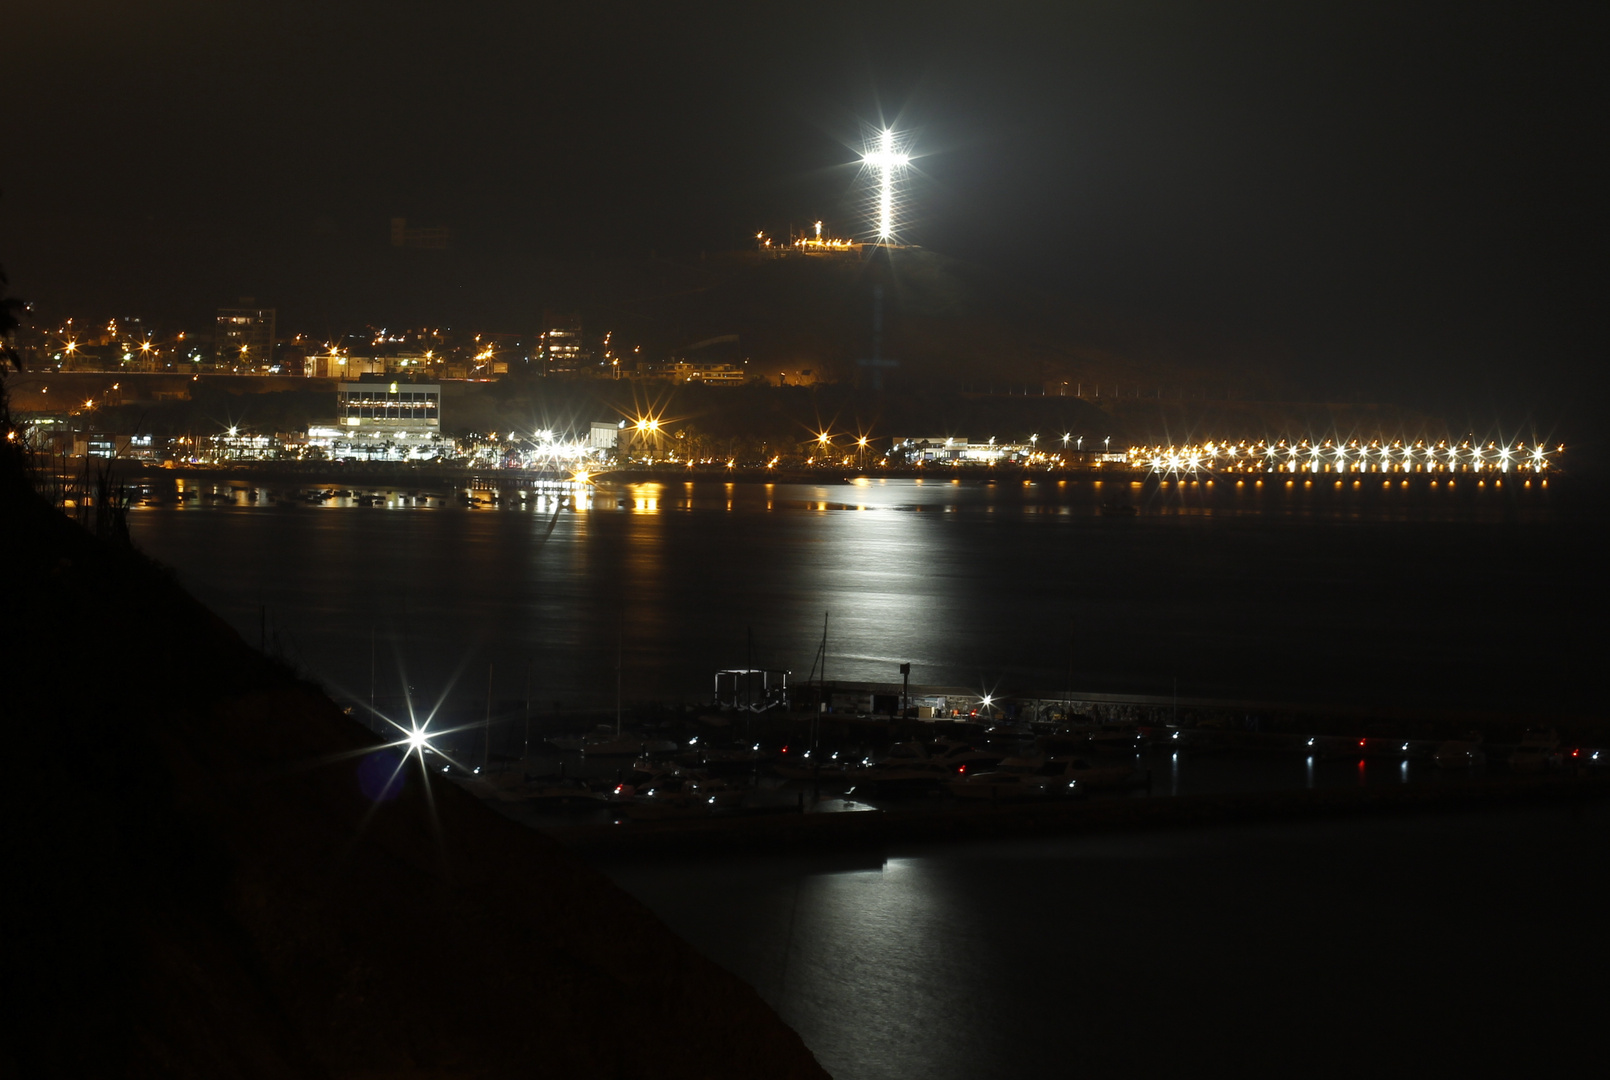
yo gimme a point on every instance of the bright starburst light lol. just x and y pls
(886, 161)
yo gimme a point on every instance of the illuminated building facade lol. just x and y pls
(389, 410)
(931, 448)
(561, 349)
(244, 336)
(688, 371)
(717, 360)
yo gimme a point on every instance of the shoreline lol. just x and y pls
(404, 474)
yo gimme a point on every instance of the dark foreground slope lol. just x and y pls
(196, 885)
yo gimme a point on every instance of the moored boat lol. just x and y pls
(626, 745)
(1018, 779)
(810, 765)
(915, 767)
(560, 791)
(1539, 749)
(1097, 777)
(1458, 754)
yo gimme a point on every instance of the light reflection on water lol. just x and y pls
(1152, 953)
(971, 584)
(885, 946)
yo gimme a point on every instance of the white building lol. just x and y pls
(388, 419)
(686, 371)
(931, 447)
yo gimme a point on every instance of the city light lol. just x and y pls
(1340, 456)
(561, 451)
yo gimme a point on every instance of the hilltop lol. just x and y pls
(948, 323)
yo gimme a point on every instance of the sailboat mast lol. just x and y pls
(824, 653)
(821, 687)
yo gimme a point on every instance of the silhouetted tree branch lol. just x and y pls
(13, 454)
(11, 310)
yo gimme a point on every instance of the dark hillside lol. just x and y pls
(946, 322)
(198, 887)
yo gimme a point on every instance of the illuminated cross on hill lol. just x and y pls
(885, 161)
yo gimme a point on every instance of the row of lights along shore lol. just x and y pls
(1345, 457)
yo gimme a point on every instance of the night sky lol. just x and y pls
(1411, 194)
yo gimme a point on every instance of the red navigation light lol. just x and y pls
(618, 788)
(1361, 742)
(785, 748)
(961, 768)
(1575, 753)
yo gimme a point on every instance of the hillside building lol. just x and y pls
(688, 371)
(561, 349)
(244, 336)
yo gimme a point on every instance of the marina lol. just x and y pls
(740, 779)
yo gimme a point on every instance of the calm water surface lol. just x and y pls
(1413, 597)
(1402, 946)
